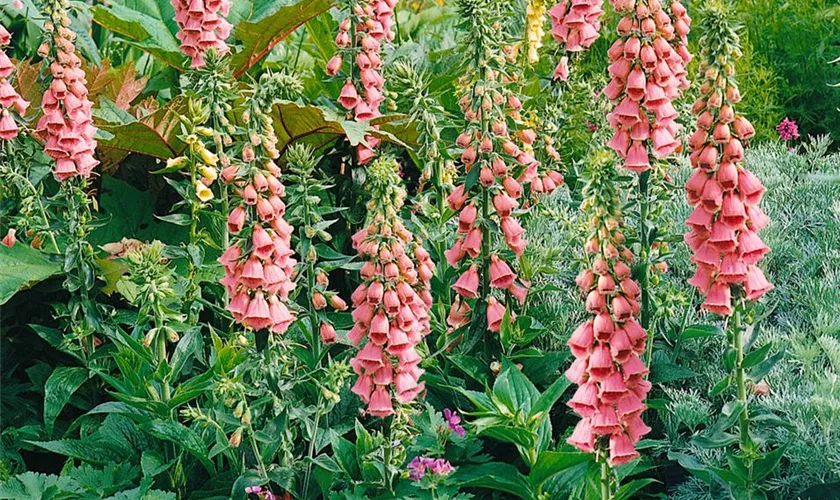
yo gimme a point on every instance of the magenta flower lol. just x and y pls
(788, 130)
(454, 421)
(418, 467)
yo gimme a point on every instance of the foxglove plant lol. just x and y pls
(11, 103)
(575, 24)
(488, 194)
(202, 27)
(726, 218)
(305, 213)
(607, 369)
(647, 73)
(366, 26)
(391, 305)
(260, 261)
(724, 237)
(66, 127)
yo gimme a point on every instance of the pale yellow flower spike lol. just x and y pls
(534, 32)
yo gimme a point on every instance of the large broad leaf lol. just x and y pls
(550, 463)
(185, 437)
(58, 390)
(143, 24)
(319, 127)
(261, 34)
(22, 267)
(152, 135)
(495, 476)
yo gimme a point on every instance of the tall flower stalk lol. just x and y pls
(607, 369)
(726, 195)
(307, 202)
(66, 127)
(647, 72)
(11, 103)
(495, 169)
(391, 305)
(260, 261)
(366, 26)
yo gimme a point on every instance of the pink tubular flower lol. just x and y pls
(575, 24)
(606, 348)
(202, 26)
(725, 223)
(259, 263)
(371, 21)
(391, 305)
(66, 125)
(11, 102)
(647, 72)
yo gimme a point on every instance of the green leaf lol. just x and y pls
(664, 372)
(757, 373)
(701, 332)
(63, 382)
(514, 389)
(509, 434)
(21, 267)
(627, 490)
(547, 399)
(152, 463)
(142, 25)
(258, 37)
(495, 476)
(179, 219)
(90, 451)
(765, 465)
(550, 463)
(345, 454)
(170, 430)
(721, 386)
(756, 356)
(719, 440)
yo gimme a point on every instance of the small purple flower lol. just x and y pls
(253, 490)
(441, 467)
(454, 422)
(418, 467)
(788, 130)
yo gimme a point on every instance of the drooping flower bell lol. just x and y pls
(576, 24)
(646, 74)
(726, 219)
(260, 261)
(67, 124)
(495, 171)
(391, 305)
(11, 103)
(370, 22)
(202, 26)
(607, 347)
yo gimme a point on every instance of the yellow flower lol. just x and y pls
(208, 173)
(176, 162)
(203, 193)
(209, 157)
(535, 13)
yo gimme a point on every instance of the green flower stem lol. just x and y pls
(314, 340)
(311, 453)
(386, 459)
(738, 341)
(41, 208)
(192, 291)
(606, 486)
(644, 262)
